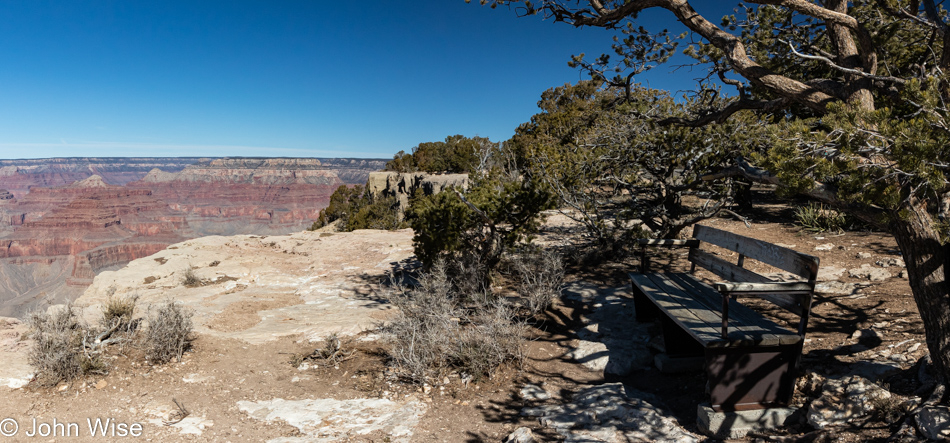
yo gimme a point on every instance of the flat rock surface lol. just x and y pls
(15, 371)
(611, 341)
(258, 288)
(329, 420)
(610, 412)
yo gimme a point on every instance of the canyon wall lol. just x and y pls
(17, 176)
(55, 239)
(252, 195)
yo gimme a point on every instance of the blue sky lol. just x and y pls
(276, 78)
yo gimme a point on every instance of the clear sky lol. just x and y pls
(276, 77)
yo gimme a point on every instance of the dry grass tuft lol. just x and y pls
(189, 279)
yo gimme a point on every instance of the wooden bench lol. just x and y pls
(751, 362)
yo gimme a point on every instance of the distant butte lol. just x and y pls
(64, 221)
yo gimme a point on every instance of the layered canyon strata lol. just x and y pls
(55, 239)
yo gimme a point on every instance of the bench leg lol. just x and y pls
(751, 378)
(678, 342)
(645, 310)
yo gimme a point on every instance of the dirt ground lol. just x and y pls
(217, 373)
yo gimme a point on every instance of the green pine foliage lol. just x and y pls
(356, 208)
(457, 154)
(620, 173)
(501, 211)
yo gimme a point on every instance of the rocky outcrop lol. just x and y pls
(403, 185)
(252, 284)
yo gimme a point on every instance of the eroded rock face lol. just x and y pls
(404, 185)
(251, 286)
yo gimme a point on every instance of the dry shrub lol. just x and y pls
(333, 351)
(440, 328)
(541, 273)
(189, 279)
(118, 313)
(169, 332)
(58, 351)
(490, 338)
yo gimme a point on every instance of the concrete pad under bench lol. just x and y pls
(736, 424)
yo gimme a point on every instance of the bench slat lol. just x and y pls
(734, 273)
(723, 268)
(743, 315)
(687, 301)
(805, 266)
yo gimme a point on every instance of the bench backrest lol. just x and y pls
(803, 265)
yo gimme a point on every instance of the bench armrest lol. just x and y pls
(691, 242)
(791, 286)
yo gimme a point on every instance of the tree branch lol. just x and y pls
(819, 191)
(723, 114)
(837, 67)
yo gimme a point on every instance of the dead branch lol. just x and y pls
(176, 416)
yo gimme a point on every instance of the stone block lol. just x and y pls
(726, 425)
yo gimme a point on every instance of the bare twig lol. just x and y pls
(176, 416)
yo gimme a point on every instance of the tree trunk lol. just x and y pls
(926, 260)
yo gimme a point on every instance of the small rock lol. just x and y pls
(829, 273)
(880, 325)
(890, 261)
(898, 357)
(867, 335)
(825, 247)
(810, 384)
(903, 274)
(835, 287)
(913, 348)
(864, 255)
(934, 422)
(62, 387)
(844, 401)
(532, 392)
(521, 435)
(870, 273)
(875, 370)
(101, 384)
(593, 355)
